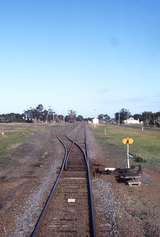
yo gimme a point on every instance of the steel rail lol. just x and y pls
(89, 180)
(50, 196)
(67, 158)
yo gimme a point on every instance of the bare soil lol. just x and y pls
(122, 210)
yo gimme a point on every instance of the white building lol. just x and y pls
(95, 121)
(131, 120)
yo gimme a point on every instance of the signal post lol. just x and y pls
(128, 141)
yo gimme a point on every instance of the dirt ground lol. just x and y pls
(122, 210)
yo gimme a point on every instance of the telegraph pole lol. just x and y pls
(119, 120)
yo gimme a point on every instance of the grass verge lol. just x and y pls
(146, 145)
(12, 139)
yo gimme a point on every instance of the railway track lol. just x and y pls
(69, 210)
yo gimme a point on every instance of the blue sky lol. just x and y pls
(93, 56)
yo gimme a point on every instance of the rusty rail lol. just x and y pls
(50, 196)
(90, 193)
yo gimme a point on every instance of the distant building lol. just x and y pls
(95, 121)
(131, 120)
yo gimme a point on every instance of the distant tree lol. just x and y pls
(88, 119)
(104, 117)
(138, 116)
(157, 119)
(11, 117)
(28, 114)
(72, 116)
(56, 118)
(117, 117)
(100, 116)
(39, 112)
(44, 115)
(40, 108)
(67, 119)
(61, 117)
(79, 118)
(50, 115)
(122, 115)
(147, 117)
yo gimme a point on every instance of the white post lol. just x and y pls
(105, 132)
(119, 119)
(128, 164)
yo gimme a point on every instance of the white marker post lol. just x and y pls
(105, 132)
(128, 163)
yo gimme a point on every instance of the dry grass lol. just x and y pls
(12, 136)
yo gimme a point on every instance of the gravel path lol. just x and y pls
(33, 205)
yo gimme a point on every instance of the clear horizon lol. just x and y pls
(90, 56)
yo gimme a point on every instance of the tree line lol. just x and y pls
(147, 117)
(40, 114)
